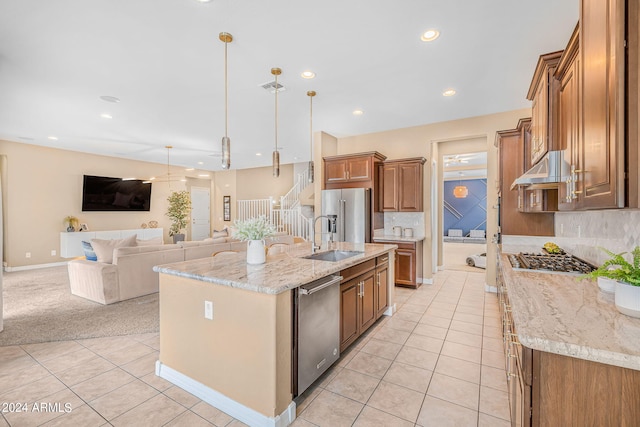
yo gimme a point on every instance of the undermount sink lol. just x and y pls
(333, 256)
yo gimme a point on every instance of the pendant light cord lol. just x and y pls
(226, 90)
(276, 147)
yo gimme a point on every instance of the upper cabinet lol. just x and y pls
(402, 185)
(569, 118)
(602, 57)
(352, 170)
(543, 94)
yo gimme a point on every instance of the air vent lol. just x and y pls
(271, 86)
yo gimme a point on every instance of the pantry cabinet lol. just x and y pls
(402, 185)
(517, 216)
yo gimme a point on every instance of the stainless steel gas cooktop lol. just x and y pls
(550, 263)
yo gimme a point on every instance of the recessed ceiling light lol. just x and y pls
(308, 74)
(190, 169)
(358, 112)
(53, 138)
(106, 116)
(201, 163)
(203, 175)
(203, 1)
(430, 35)
(108, 98)
(258, 154)
(449, 92)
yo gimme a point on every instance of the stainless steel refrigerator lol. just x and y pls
(353, 209)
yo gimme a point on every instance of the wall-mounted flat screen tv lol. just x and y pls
(100, 193)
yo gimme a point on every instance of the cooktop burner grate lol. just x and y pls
(547, 262)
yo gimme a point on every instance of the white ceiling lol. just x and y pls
(464, 166)
(164, 61)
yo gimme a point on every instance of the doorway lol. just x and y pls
(200, 213)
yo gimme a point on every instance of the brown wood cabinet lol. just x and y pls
(408, 264)
(402, 185)
(514, 219)
(550, 390)
(568, 74)
(363, 298)
(543, 94)
(602, 51)
(352, 170)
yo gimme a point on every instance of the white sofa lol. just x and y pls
(131, 274)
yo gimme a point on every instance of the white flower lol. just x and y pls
(253, 229)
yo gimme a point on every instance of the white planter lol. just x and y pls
(255, 252)
(628, 299)
(607, 285)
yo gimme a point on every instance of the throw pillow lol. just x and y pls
(88, 251)
(150, 242)
(104, 248)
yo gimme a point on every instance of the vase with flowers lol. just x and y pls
(254, 231)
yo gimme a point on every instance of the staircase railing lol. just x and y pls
(254, 208)
(292, 222)
(290, 200)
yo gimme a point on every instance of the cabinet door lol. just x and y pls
(538, 124)
(405, 267)
(389, 197)
(410, 187)
(569, 189)
(603, 77)
(359, 169)
(368, 296)
(335, 171)
(349, 295)
(382, 281)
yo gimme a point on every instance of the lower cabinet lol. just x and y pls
(551, 390)
(408, 264)
(363, 298)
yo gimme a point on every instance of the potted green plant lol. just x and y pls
(627, 280)
(72, 223)
(254, 231)
(178, 212)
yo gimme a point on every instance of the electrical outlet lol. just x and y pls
(27, 255)
(208, 310)
(53, 252)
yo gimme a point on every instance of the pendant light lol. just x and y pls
(168, 147)
(311, 94)
(276, 155)
(460, 192)
(226, 142)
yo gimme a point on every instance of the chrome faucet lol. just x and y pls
(332, 229)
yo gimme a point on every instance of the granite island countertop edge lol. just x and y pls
(282, 272)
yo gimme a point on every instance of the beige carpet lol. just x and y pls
(39, 307)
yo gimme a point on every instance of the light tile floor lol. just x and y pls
(437, 362)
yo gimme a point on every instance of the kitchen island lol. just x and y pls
(571, 357)
(241, 360)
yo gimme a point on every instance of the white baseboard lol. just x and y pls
(34, 266)
(390, 310)
(492, 289)
(223, 403)
(427, 281)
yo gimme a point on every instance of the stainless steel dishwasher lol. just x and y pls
(317, 329)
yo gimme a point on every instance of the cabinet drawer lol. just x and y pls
(351, 272)
(382, 259)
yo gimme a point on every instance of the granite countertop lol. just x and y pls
(284, 269)
(557, 313)
(392, 238)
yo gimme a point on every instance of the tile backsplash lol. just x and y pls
(413, 220)
(583, 233)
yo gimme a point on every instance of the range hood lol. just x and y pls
(547, 173)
